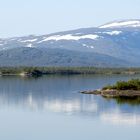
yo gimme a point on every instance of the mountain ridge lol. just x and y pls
(118, 46)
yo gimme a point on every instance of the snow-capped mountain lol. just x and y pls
(122, 24)
(110, 45)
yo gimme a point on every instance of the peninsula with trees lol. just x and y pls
(122, 89)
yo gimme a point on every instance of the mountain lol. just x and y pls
(122, 24)
(115, 44)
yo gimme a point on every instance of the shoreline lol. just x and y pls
(40, 71)
(114, 93)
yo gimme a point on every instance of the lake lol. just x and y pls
(51, 108)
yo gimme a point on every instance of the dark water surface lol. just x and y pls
(51, 108)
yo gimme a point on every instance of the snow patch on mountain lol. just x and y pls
(131, 23)
(29, 45)
(32, 40)
(85, 45)
(70, 37)
(113, 32)
(110, 32)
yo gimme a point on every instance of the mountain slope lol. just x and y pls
(113, 44)
(56, 57)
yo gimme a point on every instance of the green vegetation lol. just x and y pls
(65, 70)
(133, 84)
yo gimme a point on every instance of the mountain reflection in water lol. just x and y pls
(60, 94)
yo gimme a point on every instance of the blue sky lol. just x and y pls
(24, 17)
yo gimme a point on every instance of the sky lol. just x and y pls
(38, 17)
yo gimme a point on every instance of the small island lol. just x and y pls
(122, 89)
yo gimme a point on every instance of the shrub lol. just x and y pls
(133, 84)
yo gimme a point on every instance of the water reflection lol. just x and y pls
(131, 101)
(119, 118)
(61, 94)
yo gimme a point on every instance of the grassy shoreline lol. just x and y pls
(66, 70)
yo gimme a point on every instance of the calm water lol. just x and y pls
(50, 108)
